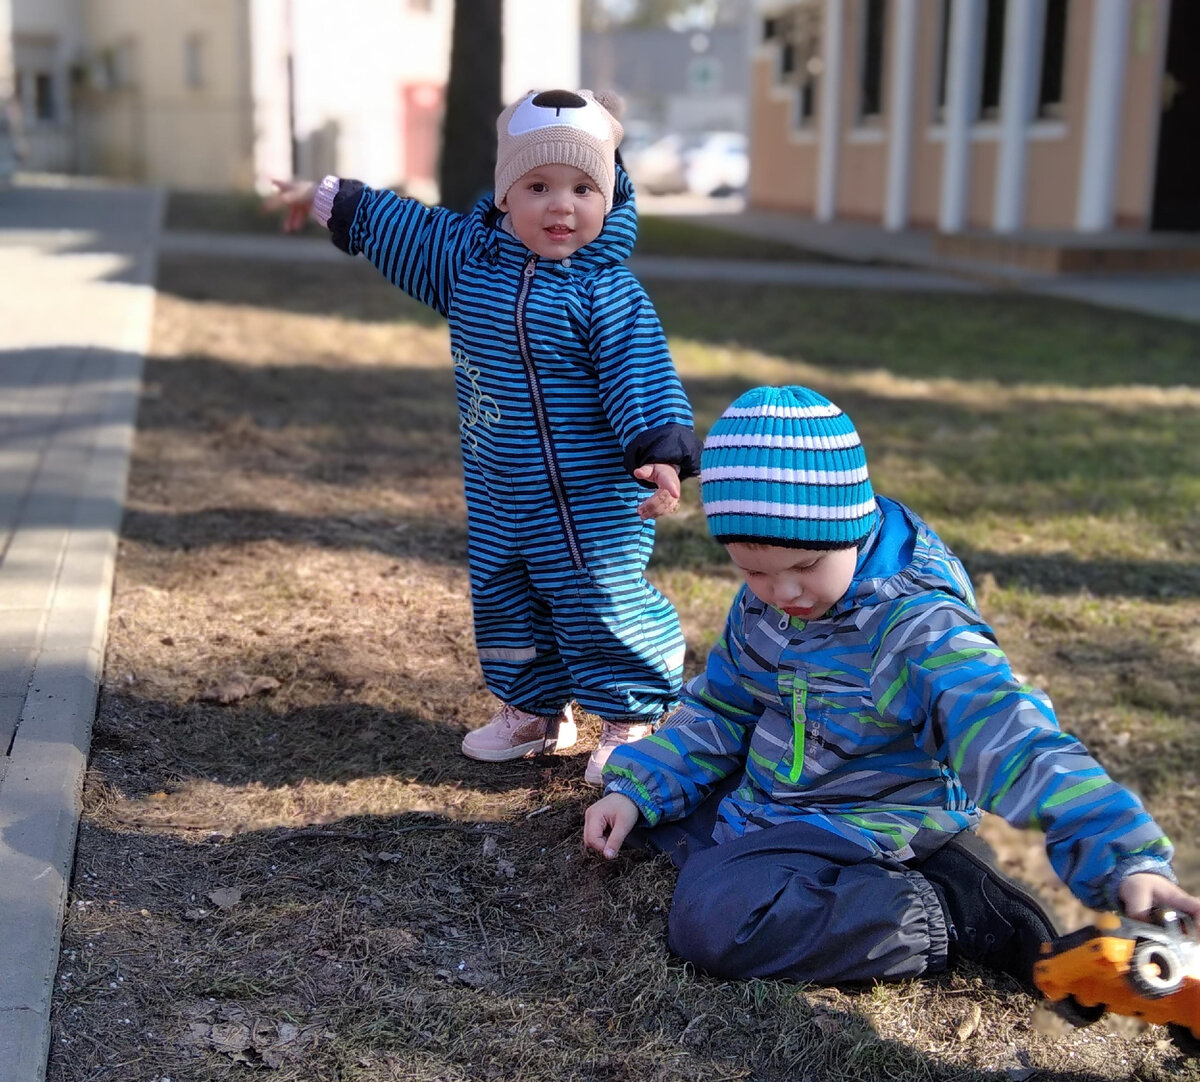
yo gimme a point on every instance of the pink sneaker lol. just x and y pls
(612, 736)
(513, 734)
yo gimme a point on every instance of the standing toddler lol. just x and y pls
(569, 410)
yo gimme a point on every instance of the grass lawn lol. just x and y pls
(657, 235)
(284, 863)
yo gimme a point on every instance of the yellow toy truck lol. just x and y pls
(1147, 970)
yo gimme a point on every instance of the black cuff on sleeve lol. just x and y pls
(345, 207)
(676, 444)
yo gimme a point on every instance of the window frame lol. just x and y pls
(1047, 107)
(872, 51)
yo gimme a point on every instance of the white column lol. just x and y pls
(1023, 27)
(963, 74)
(900, 106)
(8, 87)
(1102, 122)
(830, 91)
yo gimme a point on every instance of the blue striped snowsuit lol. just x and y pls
(565, 386)
(863, 740)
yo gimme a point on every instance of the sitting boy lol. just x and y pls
(820, 784)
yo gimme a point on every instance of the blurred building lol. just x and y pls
(217, 94)
(673, 81)
(994, 115)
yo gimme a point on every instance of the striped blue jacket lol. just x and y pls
(560, 365)
(890, 721)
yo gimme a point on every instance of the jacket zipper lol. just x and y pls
(543, 423)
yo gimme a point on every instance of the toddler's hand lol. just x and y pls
(296, 196)
(666, 479)
(1144, 890)
(607, 822)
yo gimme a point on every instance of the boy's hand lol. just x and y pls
(294, 195)
(1144, 890)
(607, 822)
(666, 479)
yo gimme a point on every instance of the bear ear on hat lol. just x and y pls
(612, 101)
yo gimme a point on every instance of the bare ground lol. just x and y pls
(285, 865)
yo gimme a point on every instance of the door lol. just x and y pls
(1177, 175)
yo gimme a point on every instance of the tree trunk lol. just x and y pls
(472, 104)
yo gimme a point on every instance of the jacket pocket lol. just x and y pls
(793, 688)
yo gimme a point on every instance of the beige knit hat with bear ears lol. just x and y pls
(559, 127)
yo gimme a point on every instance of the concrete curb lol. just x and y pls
(58, 567)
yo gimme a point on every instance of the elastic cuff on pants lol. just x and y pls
(635, 719)
(936, 922)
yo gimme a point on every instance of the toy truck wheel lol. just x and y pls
(1074, 1013)
(1185, 1040)
(1155, 970)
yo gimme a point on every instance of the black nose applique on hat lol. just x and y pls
(558, 99)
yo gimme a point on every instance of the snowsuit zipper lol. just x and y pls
(542, 421)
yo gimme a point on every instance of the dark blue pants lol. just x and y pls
(798, 902)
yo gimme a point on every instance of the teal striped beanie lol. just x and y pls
(784, 466)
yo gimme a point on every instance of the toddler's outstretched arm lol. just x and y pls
(296, 196)
(666, 479)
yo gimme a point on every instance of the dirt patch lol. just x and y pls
(284, 863)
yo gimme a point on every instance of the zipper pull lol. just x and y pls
(530, 266)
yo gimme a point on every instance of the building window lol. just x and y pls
(193, 62)
(988, 104)
(798, 34)
(1054, 50)
(115, 70)
(43, 97)
(939, 101)
(871, 90)
(993, 60)
(806, 103)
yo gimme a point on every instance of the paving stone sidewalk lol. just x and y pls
(77, 262)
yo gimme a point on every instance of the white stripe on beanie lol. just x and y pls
(833, 442)
(771, 509)
(771, 409)
(787, 476)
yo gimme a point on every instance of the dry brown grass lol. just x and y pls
(308, 879)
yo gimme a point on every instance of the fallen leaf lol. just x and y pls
(230, 1037)
(969, 1024)
(235, 686)
(476, 978)
(827, 1023)
(225, 897)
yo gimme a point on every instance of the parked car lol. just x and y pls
(703, 163)
(657, 167)
(718, 165)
